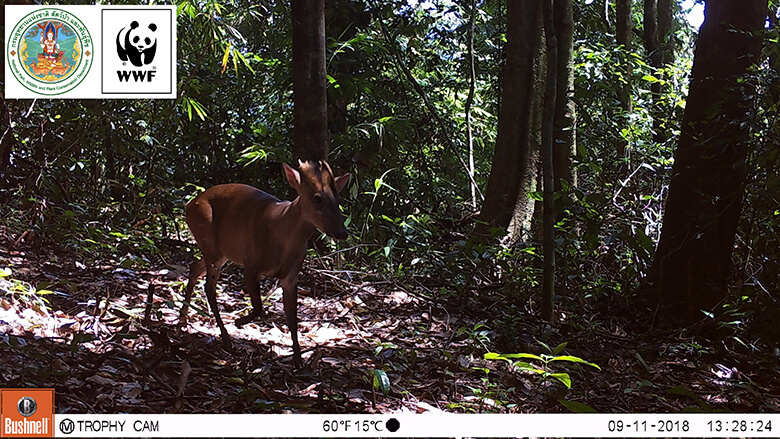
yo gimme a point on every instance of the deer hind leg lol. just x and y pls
(197, 270)
(252, 287)
(213, 271)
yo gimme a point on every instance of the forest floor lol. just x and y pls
(83, 329)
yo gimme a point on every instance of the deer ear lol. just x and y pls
(341, 182)
(293, 177)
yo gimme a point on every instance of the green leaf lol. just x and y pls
(200, 110)
(543, 344)
(381, 381)
(183, 8)
(235, 380)
(252, 154)
(682, 390)
(577, 407)
(509, 357)
(5, 272)
(563, 378)
(531, 356)
(575, 360)
(188, 105)
(527, 367)
(225, 57)
(81, 337)
(237, 53)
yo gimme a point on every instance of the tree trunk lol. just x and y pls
(6, 137)
(623, 37)
(548, 123)
(773, 23)
(514, 170)
(565, 145)
(650, 22)
(654, 55)
(470, 101)
(666, 31)
(693, 259)
(310, 105)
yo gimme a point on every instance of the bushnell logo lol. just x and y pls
(26, 406)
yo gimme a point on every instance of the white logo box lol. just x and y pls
(101, 52)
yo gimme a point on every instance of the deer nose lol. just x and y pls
(341, 234)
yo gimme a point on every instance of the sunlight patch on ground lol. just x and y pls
(326, 333)
(399, 297)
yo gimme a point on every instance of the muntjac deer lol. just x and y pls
(236, 222)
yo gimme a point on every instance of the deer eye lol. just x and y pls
(318, 200)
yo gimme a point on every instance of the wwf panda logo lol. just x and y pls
(138, 44)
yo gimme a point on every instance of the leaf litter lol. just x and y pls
(90, 332)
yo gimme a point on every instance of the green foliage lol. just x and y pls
(380, 381)
(546, 371)
(479, 334)
(577, 407)
(24, 294)
(701, 405)
(104, 166)
(110, 178)
(757, 254)
(612, 219)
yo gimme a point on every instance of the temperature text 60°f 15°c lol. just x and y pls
(347, 426)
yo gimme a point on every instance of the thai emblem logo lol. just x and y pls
(50, 51)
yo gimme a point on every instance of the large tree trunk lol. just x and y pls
(548, 139)
(514, 170)
(310, 105)
(693, 259)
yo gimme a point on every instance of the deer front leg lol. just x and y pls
(290, 292)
